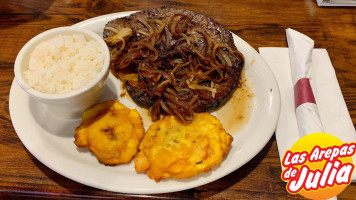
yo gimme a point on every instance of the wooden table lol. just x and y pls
(260, 23)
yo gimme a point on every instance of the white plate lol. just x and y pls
(50, 140)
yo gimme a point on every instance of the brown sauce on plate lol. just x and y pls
(235, 113)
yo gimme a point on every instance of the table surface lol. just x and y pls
(260, 23)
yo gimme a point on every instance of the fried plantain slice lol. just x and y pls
(111, 131)
(171, 149)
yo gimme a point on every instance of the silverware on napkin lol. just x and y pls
(331, 105)
(306, 110)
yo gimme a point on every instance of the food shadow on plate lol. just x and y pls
(59, 126)
(83, 150)
(110, 91)
(202, 175)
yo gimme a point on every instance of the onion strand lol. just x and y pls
(175, 68)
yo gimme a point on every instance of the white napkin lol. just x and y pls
(328, 96)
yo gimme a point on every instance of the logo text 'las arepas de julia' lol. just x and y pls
(318, 166)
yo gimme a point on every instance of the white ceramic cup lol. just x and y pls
(69, 105)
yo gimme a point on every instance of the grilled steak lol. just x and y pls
(174, 60)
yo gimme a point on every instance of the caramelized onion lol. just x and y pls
(170, 65)
(121, 35)
(149, 28)
(155, 110)
(165, 108)
(150, 47)
(162, 25)
(227, 59)
(128, 77)
(186, 38)
(202, 87)
(173, 24)
(162, 85)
